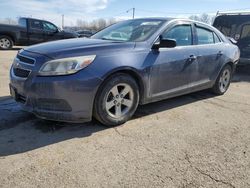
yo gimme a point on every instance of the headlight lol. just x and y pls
(66, 66)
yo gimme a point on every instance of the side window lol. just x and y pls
(35, 24)
(204, 36)
(181, 33)
(245, 31)
(216, 39)
(49, 27)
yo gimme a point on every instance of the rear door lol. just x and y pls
(35, 31)
(210, 53)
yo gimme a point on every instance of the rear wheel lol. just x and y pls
(223, 81)
(117, 100)
(6, 42)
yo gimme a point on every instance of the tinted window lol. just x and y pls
(204, 36)
(230, 25)
(245, 31)
(34, 24)
(225, 24)
(49, 26)
(22, 22)
(182, 34)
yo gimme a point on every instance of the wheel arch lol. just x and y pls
(131, 72)
(230, 63)
(11, 36)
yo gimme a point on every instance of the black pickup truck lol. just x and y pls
(31, 31)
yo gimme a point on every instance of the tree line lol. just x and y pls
(98, 24)
(101, 23)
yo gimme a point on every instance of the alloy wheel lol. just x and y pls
(119, 100)
(5, 43)
(224, 80)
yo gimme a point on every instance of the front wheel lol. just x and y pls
(6, 42)
(223, 81)
(116, 100)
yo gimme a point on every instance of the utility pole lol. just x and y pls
(62, 21)
(133, 13)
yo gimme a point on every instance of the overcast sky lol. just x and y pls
(91, 9)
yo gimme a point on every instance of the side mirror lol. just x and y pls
(56, 31)
(164, 43)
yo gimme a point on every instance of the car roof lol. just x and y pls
(33, 19)
(168, 19)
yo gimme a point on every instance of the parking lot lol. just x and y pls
(197, 140)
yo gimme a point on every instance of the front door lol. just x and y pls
(35, 32)
(51, 32)
(174, 67)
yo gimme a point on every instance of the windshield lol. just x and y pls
(130, 30)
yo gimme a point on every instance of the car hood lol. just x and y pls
(79, 46)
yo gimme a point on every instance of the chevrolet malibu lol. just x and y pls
(129, 63)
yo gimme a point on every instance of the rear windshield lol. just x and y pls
(232, 25)
(22, 22)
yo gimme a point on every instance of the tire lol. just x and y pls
(223, 81)
(6, 42)
(117, 100)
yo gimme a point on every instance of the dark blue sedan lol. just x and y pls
(129, 63)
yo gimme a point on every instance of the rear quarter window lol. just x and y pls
(216, 38)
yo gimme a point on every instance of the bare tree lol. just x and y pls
(96, 24)
(111, 21)
(202, 18)
(205, 18)
(8, 21)
(82, 23)
(194, 17)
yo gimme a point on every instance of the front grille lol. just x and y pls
(25, 59)
(21, 72)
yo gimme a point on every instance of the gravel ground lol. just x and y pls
(197, 140)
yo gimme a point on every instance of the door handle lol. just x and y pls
(192, 58)
(220, 53)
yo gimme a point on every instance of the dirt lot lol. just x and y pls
(197, 140)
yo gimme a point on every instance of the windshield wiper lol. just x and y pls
(103, 38)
